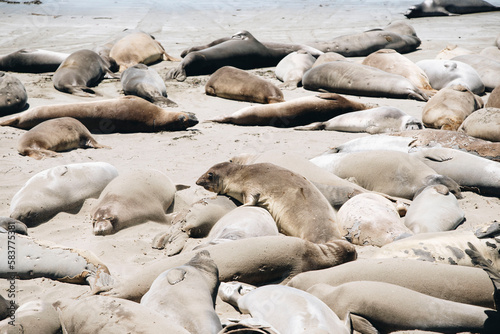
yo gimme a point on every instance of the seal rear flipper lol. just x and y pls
(178, 74)
(362, 325)
(13, 121)
(312, 126)
(39, 154)
(163, 101)
(83, 91)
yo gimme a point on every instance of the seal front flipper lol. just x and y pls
(362, 325)
(176, 275)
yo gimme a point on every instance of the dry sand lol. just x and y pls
(184, 156)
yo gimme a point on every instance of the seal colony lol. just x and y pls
(181, 243)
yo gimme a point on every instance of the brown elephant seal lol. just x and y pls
(488, 69)
(483, 124)
(185, 295)
(393, 62)
(107, 116)
(79, 71)
(385, 307)
(292, 67)
(242, 50)
(132, 198)
(32, 61)
(390, 172)
(138, 48)
(345, 77)
(232, 83)
(62, 188)
(450, 107)
(460, 284)
(449, 8)
(371, 219)
(399, 36)
(143, 81)
(33, 317)
(13, 95)
(494, 98)
(287, 309)
(434, 209)
(55, 135)
(257, 261)
(299, 111)
(299, 208)
(373, 121)
(112, 315)
(10, 224)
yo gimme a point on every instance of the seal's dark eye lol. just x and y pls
(210, 176)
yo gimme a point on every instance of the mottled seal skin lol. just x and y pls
(450, 107)
(449, 8)
(232, 83)
(55, 135)
(257, 261)
(138, 48)
(296, 205)
(456, 283)
(387, 307)
(373, 121)
(494, 98)
(488, 69)
(483, 124)
(32, 61)
(285, 308)
(299, 111)
(292, 67)
(13, 95)
(79, 71)
(345, 77)
(143, 81)
(194, 286)
(108, 116)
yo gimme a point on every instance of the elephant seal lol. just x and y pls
(451, 51)
(79, 71)
(468, 170)
(328, 57)
(434, 209)
(242, 50)
(257, 261)
(194, 286)
(460, 284)
(483, 124)
(10, 224)
(32, 61)
(143, 81)
(491, 52)
(494, 98)
(36, 258)
(444, 73)
(138, 48)
(385, 307)
(390, 172)
(450, 107)
(107, 116)
(112, 315)
(232, 83)
(132, 198)
(292, 67)
(299, 111)
(62, 188)
(373, 121)
(33, 317)
(299, 208)
(449, 8)
(371, 219)
(345, 77)
(398, 35)
(393, 62)
(13, 95)
(286, 309)
(55, 135)
(488, 69)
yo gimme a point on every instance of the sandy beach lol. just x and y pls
(67, 26)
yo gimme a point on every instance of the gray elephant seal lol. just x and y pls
(494, 98)
(345, 77)
(232, 83)
(449, 8)
(194, 286)
(13, 95)
(483, 124)
(298, 208)
(291, 68)
(55, 135)
(107, 116)
(60, 189)
(79, 71)
(488, 69)
(32, 61)
(143, 81)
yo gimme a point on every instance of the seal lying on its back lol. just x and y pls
(32, 61)
(449, 8)
(13, 96)
(296, 205)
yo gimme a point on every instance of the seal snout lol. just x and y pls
(102, 226)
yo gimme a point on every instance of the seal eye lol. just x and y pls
(210, 176)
